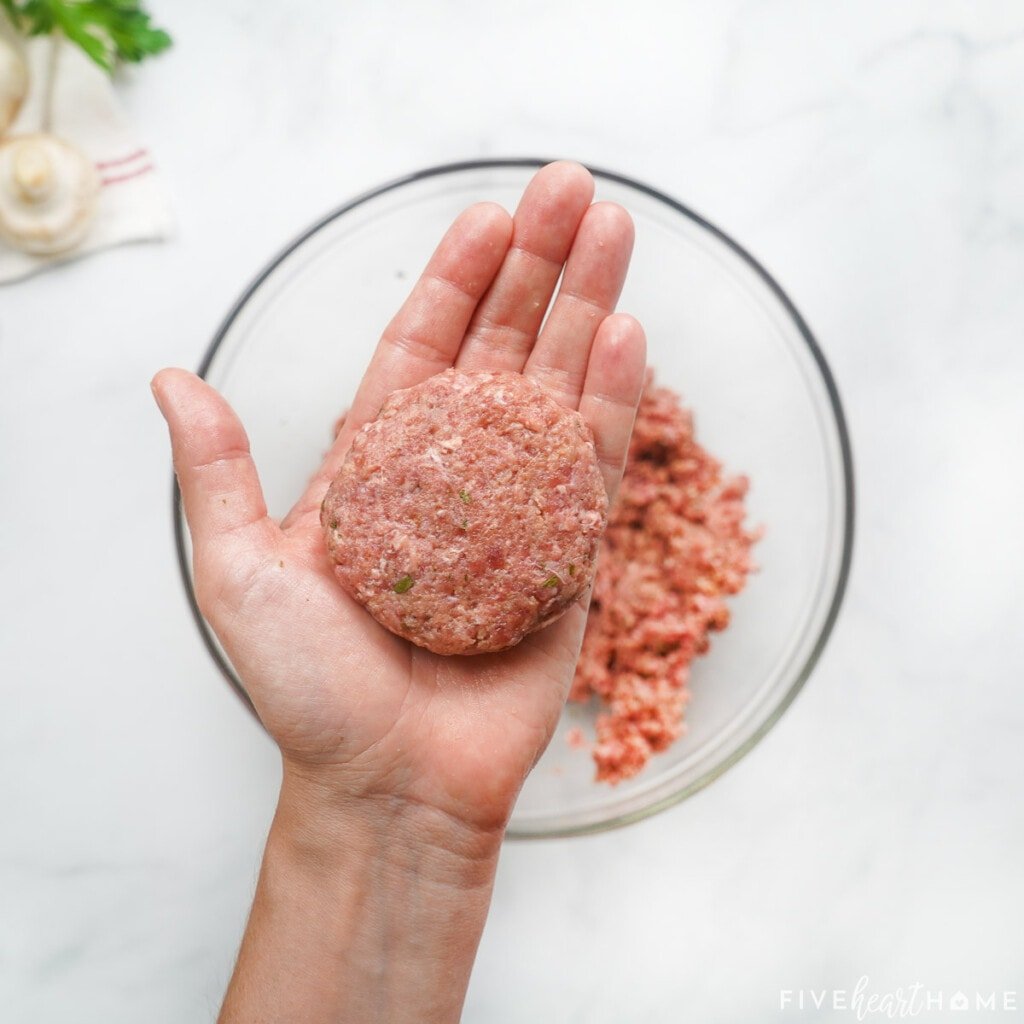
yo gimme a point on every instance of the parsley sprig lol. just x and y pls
(107, 30)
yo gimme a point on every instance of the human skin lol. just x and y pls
(400, 767)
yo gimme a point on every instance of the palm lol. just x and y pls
(333, 687)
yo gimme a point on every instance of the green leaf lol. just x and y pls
(551, 581)
(404, 584)
(79, 31)
(106, 30)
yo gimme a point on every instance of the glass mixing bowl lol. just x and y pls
(721, 332)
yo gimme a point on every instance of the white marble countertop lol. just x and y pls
(872, 155)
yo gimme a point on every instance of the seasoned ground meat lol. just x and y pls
(469, 513)
(675, 547)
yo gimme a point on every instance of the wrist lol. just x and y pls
(377, 903)
(323, 819)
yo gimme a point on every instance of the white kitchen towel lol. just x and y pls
(133, 205)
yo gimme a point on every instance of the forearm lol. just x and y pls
(366, 910)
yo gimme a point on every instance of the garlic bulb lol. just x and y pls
(13, 83)
(48, 193)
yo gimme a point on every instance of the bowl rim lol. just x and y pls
(831, 389)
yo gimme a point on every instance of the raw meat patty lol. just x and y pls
(469, 513)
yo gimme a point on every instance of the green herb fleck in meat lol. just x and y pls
(464, 524)
(552, 581)
(334, 524)
(404, 584)
(572, 569)
(466, 497)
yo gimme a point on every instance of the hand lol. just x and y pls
(338, 693)
(373, 730)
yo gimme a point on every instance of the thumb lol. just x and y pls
(219, 485)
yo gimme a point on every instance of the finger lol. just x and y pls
(219, 486)
(425, 334)
(506, 322)
(593, 279)
(615, 379)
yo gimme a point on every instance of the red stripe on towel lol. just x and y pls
(115, 179)
(103, 164)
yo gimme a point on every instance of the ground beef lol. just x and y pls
(469, 513)
(675, 546)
